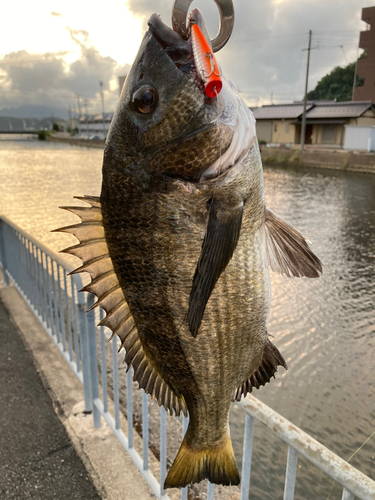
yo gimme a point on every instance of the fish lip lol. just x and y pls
(178, 49)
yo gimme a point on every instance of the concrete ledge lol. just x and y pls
(97, 144)
(336, 160)
(110, 468)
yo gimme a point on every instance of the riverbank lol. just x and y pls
(320, 158)
(316, 158)
(97, 144)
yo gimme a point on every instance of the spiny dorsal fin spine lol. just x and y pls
(97, 282)
(115, 315)
(96, 267)
(86, 231)
(87, 214)
(88, 251)
(93, 251)
(113, 296)
(94, 201)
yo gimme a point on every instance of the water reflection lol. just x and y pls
(324, 328)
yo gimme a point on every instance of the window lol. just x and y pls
(359, 81)
(287, 128)
(275, 127)
(329, 134)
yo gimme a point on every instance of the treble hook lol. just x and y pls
(226, 11)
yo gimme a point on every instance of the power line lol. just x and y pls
(266, 38)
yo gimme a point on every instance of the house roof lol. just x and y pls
(316, 110)
(338, 110)
(96, 118)
(280, 111)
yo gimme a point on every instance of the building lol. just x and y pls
(325, 122)
(364, 88)
(94, 126)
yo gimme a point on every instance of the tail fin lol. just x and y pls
(218, 465)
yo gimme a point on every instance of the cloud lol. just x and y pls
(264, 54)
(49, 80)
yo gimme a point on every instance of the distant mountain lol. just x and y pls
(34, 111)
(12, 124)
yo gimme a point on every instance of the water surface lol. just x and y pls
(324, 328)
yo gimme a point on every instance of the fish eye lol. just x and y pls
(145, 99)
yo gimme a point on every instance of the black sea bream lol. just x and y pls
(178, 248)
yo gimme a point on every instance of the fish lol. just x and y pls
(178, 247)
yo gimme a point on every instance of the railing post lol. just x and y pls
(210, 491)
(93, 358)
(291, 473)
(347, 495)
(3, 254)
(82, 320)
(185, 423)
(145, 429)
(129, 404)
(163, 449)
(246, 461)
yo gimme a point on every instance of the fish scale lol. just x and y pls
(178, 247)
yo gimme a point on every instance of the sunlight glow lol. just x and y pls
(43, 26)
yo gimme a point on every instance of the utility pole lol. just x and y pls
(70, 118)
(85, 102)
(303, 127)
(79, 106)
(102, 95)
(272, 98)
(79, 112)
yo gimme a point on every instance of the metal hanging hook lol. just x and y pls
(226, 11)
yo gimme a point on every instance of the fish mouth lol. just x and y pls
(180, 51)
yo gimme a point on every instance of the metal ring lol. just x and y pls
(226, 11)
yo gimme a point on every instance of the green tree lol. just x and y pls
(336, 85)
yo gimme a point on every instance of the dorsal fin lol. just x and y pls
(93, 251)
(287, 249)
(267, 369)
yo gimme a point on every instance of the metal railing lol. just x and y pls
(40, 276)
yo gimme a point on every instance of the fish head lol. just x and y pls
(165, 124)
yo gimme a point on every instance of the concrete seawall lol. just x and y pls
(336, 160)
(97, 144)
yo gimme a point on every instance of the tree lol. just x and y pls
(336, 85)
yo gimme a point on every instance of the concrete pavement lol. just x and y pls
(37, 458)
(48, 446)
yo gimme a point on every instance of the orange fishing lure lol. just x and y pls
(205, 61)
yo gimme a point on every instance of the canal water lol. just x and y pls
(324, 328)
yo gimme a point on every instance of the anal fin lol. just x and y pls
(267, 369)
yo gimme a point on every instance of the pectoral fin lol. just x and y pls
(288, 251)
(219, 243)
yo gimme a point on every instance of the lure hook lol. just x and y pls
(226, 11)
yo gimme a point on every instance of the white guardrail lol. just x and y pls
(40, 275)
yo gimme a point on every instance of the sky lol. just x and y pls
(52, 51)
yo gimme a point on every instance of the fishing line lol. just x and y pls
(362, 445)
